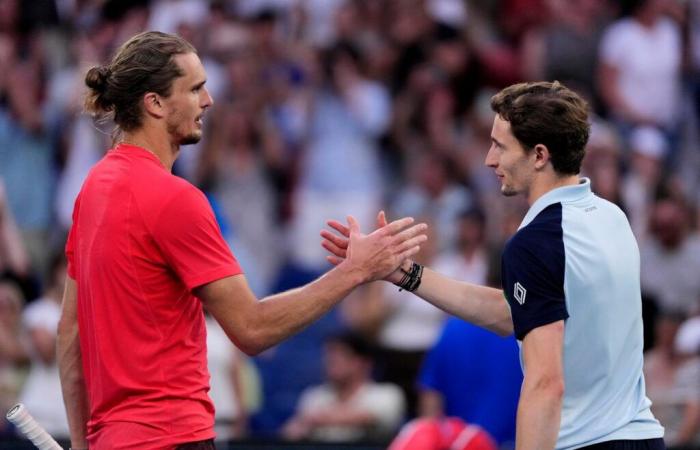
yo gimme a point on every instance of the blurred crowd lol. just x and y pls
(325, 108)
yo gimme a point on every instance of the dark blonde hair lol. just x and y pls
(549, 114)
(142, 64)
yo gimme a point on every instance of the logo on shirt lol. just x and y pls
(519, 292)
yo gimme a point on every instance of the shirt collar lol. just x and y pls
(559, 195)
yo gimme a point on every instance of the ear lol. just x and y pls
(153, 105)
(541, 155)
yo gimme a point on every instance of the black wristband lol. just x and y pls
(411, 278)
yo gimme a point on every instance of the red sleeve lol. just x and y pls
(188, 235)
(70, 243)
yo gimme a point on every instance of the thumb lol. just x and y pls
(354, 226)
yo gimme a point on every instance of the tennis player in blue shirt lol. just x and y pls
(570, 282)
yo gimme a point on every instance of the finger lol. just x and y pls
(334, 238)
(334, 249)
(413, 242)
(408, 233)
(334, 260)
(354, 225)
(381, 219)
(410, 252)
(339, 227)
(398, 225)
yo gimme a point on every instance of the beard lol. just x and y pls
(508, 191)
(190, 139)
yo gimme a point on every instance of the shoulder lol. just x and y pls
(541, 236)
(176, 196)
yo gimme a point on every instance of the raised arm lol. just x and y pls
(480, 305)
(70, 365)
(256, 325)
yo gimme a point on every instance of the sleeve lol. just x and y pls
(187, 233)
(72, 268)
(533, 281)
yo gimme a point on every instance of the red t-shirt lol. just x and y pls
(141, 240)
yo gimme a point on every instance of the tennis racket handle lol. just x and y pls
(21, 418)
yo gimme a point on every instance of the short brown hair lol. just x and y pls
(549, 114)
(142, 64)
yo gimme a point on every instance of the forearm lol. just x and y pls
(257, 325)
(480, 305)
(70, 367)
(281, 315)
(538, 420)
(73, 386)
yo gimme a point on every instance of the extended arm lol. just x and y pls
(480, 305)
(256, 325)
(70, 366)
(539, 408)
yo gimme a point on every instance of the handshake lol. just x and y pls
(383, 254)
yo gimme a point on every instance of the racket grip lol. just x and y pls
(21, 418)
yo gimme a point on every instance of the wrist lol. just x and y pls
(351, 274)
(411, 278)
(395, 276)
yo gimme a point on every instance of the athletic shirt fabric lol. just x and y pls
(141, 240)
(575, 259)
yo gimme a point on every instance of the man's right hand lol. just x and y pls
(402, 243)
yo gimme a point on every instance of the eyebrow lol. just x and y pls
(199, 85)
(495, 141)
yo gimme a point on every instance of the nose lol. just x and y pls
(491, 158)
(207, 100)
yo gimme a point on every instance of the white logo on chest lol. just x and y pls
(519, 292)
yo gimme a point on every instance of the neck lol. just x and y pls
(547, 182)
(348, 389)
(155, 141)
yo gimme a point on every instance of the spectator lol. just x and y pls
(230, 385)
(13, 351)
(349, 406)
(640, 63)
(670, 258)
(674, 388)
(41, 393)
(474, 375)
(402, 326)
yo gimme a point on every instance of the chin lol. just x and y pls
(508, 191)
(191, 139)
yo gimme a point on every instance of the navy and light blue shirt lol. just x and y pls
(574, 258)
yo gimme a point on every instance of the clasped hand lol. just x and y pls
(377, 255)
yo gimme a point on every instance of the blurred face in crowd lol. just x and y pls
(343, 366)
(668, 223)
(513, 166)
(189, 99)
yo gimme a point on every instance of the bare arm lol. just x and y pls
(691, 422)
(539, 408)
(480, 305)
(70, 365)
(257, 325)
(12, 252)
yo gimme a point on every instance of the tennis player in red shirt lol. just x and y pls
(145, 255)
